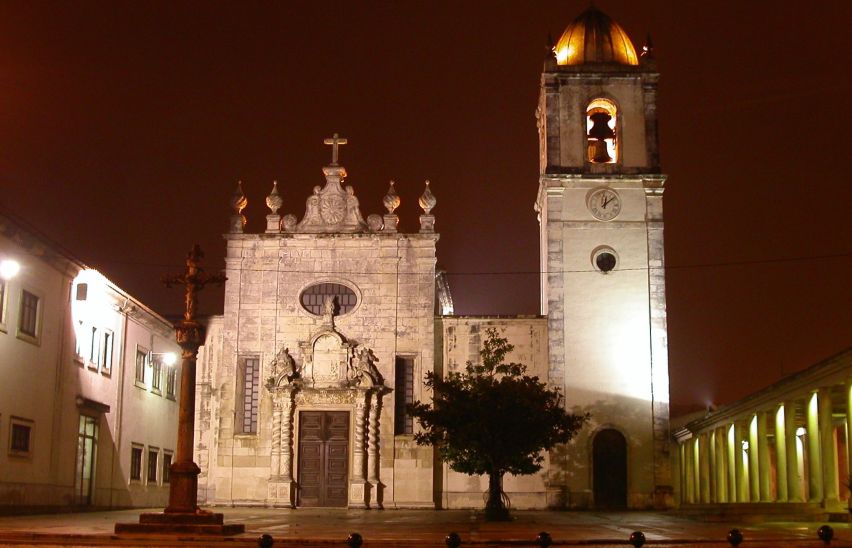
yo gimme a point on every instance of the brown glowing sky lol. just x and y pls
(124, 127)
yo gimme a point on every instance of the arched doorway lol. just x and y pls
(609, 463)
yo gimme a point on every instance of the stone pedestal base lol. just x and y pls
(281, 494)
(201, 522)
(358, 493)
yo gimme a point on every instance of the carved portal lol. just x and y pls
(336, 374)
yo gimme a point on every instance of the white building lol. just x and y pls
(329, 323)
(88, 415)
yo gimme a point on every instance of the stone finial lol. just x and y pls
(427, 200)
(274, 201)
(238, 204)
(391, 199)
(238, 199)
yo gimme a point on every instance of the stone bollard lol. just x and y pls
(355, 540)
(825, 534)
(265, 541)
(637, 539)
(544, 539)
(735, 537)
(453, 540)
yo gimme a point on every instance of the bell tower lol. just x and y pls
(600, 214)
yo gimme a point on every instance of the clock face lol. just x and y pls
(604, 204)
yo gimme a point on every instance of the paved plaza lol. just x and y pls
(331, 527)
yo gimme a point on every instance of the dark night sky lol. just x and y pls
(124, 127)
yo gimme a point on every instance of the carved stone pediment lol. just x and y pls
(326, 359)
(332, 208)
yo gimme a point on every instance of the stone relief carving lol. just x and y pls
(283, 368)
(363, 369)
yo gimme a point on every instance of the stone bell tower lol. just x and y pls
(603, 281)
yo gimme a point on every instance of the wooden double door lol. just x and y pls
(323, 458)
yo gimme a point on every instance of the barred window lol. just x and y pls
(20, 437)
(313, 298)
(403, 395)
(141, 362)
(248, 396)
(171, 380)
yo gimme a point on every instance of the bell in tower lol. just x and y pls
(598, 135)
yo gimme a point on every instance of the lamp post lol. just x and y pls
(183, 515)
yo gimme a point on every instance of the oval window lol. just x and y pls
(313, 298)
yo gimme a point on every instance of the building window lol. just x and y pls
(602, 132)
(167, 466)
(153, 464)
(403, 395)
(156, 373)
(249, 394)
(20, 437)
(2, 304)
(136, 463)
(28, 320)
(141, 362)
(171, 381)
(313, 298)
(106, 351)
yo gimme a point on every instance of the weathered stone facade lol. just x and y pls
(332, 320)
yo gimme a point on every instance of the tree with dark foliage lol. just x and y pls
(493, 419)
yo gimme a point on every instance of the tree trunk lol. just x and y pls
(495, 510)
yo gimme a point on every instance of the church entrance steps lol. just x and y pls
(756, 512)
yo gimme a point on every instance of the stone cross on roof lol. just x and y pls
(335, 141)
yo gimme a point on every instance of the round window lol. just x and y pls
(604, 259)
(314, 297)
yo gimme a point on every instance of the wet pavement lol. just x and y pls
(331, 527)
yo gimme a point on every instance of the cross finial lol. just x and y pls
(335, 141)
(193, 279)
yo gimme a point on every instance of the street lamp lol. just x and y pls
(9, 268)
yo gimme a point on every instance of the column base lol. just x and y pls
(358, 493)
(200, 522)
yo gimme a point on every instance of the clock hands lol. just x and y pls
(606, 200)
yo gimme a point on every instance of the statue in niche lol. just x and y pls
(364, 368)
(353, 211)
(283, 366)
(329, 307)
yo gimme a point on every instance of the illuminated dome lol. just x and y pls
(595, 38)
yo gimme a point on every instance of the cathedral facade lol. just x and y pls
(332, 320)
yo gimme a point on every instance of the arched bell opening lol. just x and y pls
(602, 132)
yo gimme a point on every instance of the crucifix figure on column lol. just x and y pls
(335, 141)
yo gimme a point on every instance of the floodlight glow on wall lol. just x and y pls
(167, 358)
(9, 268)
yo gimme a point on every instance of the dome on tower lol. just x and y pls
(595, 38)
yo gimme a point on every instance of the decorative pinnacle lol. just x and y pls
(391, 199)
(274, 201)
(427, 200)
(648, 48)
(238, 199)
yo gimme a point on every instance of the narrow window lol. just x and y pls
(602, 132)
(153, 464)
(171, 381)
(404, 394)
(141, 359)
(156, 373)
(167, 466)
(2, 301)
(28, 323)
(248, 396)
(93, 346)
(20, 437)
(136, 463)
(106, 351)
